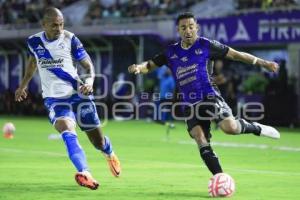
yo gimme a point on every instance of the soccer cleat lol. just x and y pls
(268, 131)
(85, 179)
(114, 164)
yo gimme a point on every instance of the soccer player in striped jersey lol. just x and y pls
(68, 99)
(189, 60)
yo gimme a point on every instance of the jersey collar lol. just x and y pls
(47, 40)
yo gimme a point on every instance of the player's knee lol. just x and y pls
(230, 127)
(62, 125)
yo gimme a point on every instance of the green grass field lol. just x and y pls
(34, 167)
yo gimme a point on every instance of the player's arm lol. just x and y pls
(148, 66)
(247, 58)
(80, 55)
(220, 51)
(21, 93)
(142, 68)
(87, 86)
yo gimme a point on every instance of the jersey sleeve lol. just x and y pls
(217, 50)
(160, 59)
(77, 49)
(29, 50)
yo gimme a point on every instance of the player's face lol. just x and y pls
(188, 30)
(54, 27)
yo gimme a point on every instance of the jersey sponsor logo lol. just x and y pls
(187, 80)
(186, 70)
(46, 63)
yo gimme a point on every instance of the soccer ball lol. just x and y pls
(221, 185)
(8, 130)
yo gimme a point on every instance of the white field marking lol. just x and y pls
(241, 145)
(25, 151)
(266, 172)
(160, 163)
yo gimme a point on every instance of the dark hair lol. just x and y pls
(185, 15)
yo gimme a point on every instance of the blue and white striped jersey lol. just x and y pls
(55, 61)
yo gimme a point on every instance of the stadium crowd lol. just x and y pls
(30, 11)
(135, 8)
(264, 4)
(27, 11)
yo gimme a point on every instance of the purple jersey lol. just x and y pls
(191, 67)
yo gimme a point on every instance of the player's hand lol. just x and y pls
(20, 94)
(134, 69)
(271, 66)
(86, 89)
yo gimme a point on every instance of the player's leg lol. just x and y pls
(103, 144)
(63, 119)
(206, 152)
(241, 126)
(76, 154)
(89, 122)
(199, 130)
(230, 125)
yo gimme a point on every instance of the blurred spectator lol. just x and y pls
(248, 4)
(136, 8)
(30, 11)
(112, 11)
(282, 3)
(166, 94)
(27, 11)
(219, 77)
(95, 12)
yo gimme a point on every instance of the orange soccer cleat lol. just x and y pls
(114, 164)
(85, 179)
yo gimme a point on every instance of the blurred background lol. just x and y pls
(117, 33)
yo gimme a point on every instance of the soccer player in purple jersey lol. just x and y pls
(189, 60)
(53, 52)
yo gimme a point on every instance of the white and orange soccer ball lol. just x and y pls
(221, 185)
(8, 130)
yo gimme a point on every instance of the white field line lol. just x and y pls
(241, 145)
(160, 163)
(37, 152)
